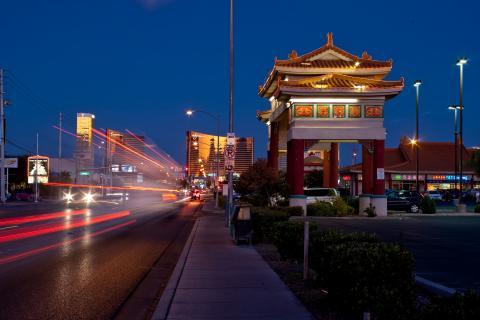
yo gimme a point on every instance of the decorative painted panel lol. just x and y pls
(354, 111)
(323, 111)
(373, 112)
(303, 111)
(339, 111)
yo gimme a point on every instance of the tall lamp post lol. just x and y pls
(217, 119)
(230, 107)
(461, 63)
(455, 136)
(417, 84)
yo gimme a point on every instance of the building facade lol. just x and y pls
(84, 153)
(436, 168)
(201, 154)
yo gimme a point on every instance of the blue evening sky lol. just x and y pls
(138, 64)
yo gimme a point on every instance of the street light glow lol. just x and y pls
(189, 112)
(462, 61)
(413, 142)
(417, 83)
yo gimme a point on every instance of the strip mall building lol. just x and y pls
(436, 168)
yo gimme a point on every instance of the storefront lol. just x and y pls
(436, 169)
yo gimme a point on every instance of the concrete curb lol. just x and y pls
(163, 306)
(435, 287)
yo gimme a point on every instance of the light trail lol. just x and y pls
(94, 186)
(123, 146)
(42, 230)
(75, 135)
(151, 148)
(40, 217)
(29, 253)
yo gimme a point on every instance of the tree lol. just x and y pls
(314, 179)
(260, 183)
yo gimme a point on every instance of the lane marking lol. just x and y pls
(9, 227)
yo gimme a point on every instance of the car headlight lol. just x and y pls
(68, 197)
(88, 197)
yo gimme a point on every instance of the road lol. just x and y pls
(446, 249)
(83, 263)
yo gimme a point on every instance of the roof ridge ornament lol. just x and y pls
(293, 55)
(330, 39)
(366, 56)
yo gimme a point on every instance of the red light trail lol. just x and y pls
(12, 235)
(94, 186)
(150, 148)
(40, 217)
(129, 149)
(26, 254)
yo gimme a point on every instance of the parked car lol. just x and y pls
(408, 201)
(434, 195)
(24, 196)
(320, 194)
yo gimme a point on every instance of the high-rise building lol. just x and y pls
(124, 156)
(202, 154)
(84, 160)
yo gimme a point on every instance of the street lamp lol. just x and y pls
(461, 62)
(189, 113)
(455, 135)
(417, 84)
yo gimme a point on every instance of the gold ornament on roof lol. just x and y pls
(293, 55)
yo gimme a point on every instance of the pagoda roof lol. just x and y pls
(324, 60)
(334, 80)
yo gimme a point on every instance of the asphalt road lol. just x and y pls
(82, 263)
(446, 249)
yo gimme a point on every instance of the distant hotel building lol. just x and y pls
(84, 160)
(202, 154)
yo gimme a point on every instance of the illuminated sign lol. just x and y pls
(406, 177)
(38, 168)
(84, 133)
(449, 178)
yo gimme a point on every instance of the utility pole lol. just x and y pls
(60, 152)
(2, 140)
(230, 125)
(36, 174)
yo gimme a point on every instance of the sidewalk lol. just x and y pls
(219, 280)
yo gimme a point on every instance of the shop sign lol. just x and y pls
(405, 177)
(449, 178)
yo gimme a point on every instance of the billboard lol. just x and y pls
(38, 166)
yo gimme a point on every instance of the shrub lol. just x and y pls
(338, 208)
(283, 203)
(464, 306)
(428, 205)
(341, 207)
(375, 277)
(288, 238)
(477, 208)
(291, 211)
(354, 202)
(321, 209)
(263, 220)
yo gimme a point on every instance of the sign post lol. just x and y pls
(229, 157)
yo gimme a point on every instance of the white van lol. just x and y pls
(320, 194)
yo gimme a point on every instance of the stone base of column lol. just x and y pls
(380, 204)
(298, 201)
(363, 203)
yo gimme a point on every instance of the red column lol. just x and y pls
(272, 160)
(379, 167)
(326, 169)
(333, 165)
(367, 168)
(295, 166)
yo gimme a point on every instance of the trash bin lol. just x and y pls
(242, 224)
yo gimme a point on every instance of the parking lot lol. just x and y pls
(446, 249)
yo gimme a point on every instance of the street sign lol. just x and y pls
(229, 153)
(11, 163)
